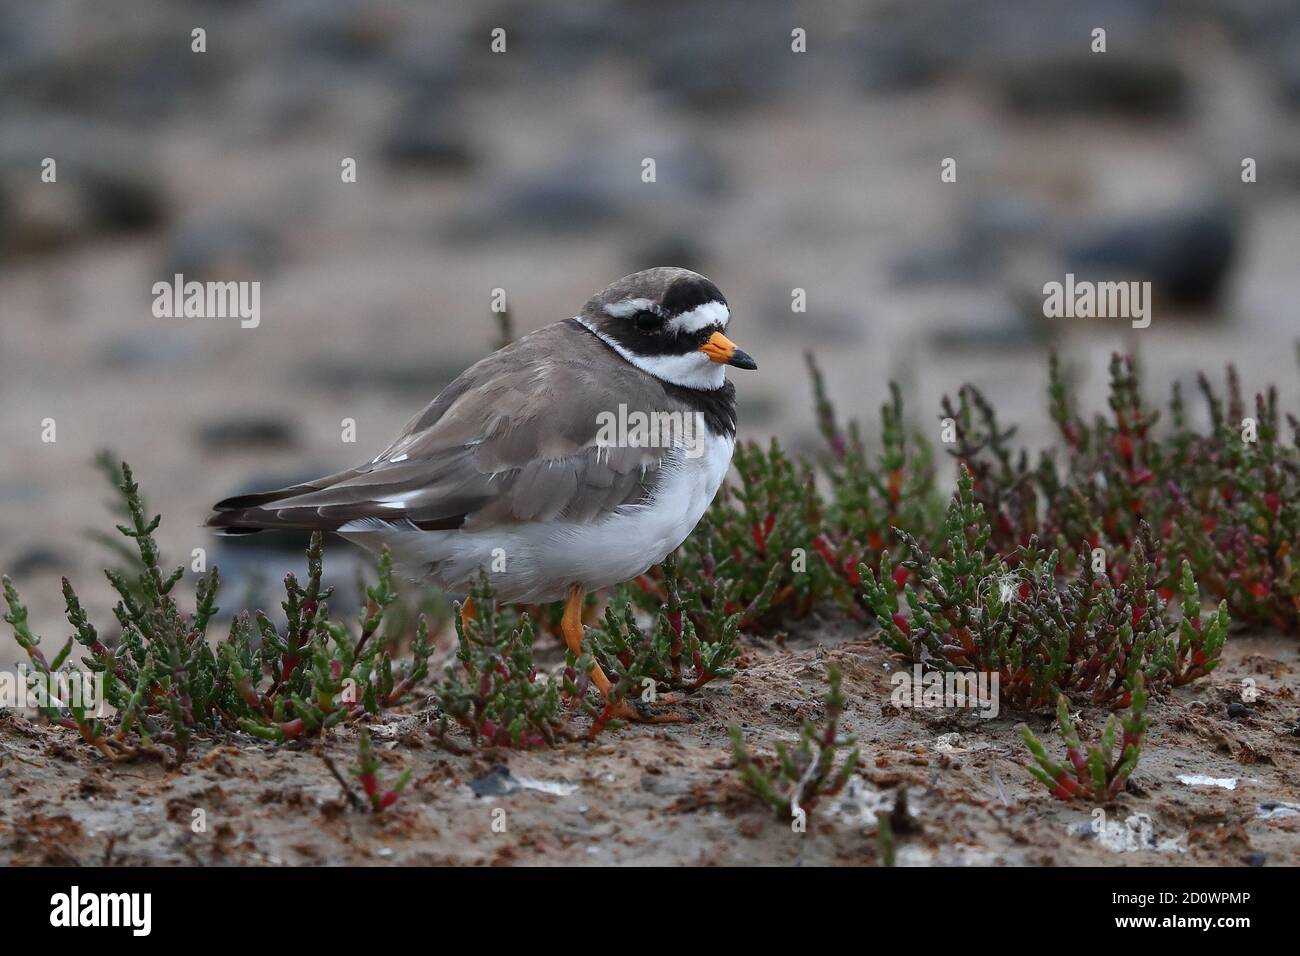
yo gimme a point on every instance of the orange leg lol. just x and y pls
(573, 633)
(571, 624)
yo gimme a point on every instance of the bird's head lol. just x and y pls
(669, 322)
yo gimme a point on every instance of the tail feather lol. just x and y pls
(251, 520)
(242, 502)
(289, 509)
(248, 514)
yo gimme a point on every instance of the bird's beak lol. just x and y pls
(722, 350)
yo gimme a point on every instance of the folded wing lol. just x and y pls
(513, 439)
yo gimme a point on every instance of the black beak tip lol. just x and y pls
(742, 360)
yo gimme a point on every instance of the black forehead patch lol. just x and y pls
(688, 293)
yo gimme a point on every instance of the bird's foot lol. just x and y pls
(633, 713)
(640, 712)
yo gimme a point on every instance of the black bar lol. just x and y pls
(334, 906)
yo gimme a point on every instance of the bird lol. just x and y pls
(514, 470)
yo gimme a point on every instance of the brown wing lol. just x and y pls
(511, 439)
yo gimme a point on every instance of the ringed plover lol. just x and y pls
(514, 469)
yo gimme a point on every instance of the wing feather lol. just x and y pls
(512, 439)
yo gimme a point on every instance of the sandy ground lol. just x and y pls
(669, 794)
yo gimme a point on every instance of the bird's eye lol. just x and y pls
(648, 321)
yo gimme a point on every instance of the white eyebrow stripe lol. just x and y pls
(702, 317)
(628, 307)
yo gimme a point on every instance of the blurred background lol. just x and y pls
(775, 170)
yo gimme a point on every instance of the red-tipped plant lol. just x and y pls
(169, 684)
(805, 774)
(380, 796)
(493, 688)
(1096, 773)
(970, 609)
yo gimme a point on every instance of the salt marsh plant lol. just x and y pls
(1095, 772)
(800, 776)
(1044, 629)
(169, 683)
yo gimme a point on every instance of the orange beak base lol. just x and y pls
(722, 350)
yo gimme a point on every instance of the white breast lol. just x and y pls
(637, 537)
(539, 562)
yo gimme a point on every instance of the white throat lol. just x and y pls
(692, 370)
